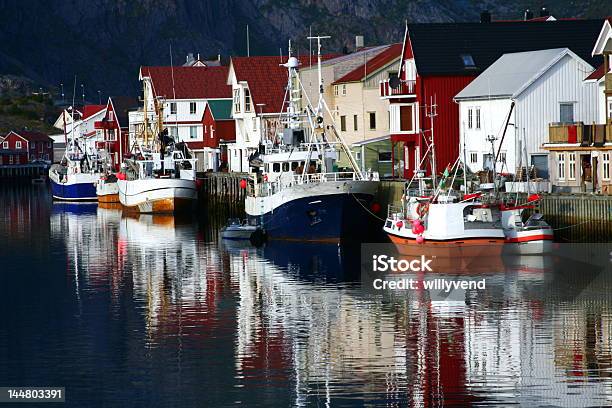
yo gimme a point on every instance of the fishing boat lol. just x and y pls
(74, 178)
(296, 191)
(238, 230)
(107, 188)
(160, 174)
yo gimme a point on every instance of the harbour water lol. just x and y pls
(156, 311)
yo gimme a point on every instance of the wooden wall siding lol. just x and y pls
(538, 106)
(579, 217)
(382, 75)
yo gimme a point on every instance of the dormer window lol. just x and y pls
(247, 100)
(468, 61)
(237, 100)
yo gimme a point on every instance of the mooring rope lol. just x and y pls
(366, 208)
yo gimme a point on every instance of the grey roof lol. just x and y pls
(512, 73)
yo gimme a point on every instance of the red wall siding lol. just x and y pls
(446, 125)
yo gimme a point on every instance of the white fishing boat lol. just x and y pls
(296, 191)
(160, 177)
(237, 229)
(74, 178)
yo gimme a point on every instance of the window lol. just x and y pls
(236, 100)
(343, 123)
(193, 132)
(211, 130)
(192, 108)
(358, 156)
(606, 166)
(18, 144)
(561, 166)
(336, 90)
(11, 159)
(33, 145)
(254, 124)
(473, 157)
(384, 157)
(5, 145)
(174, 132)
(477, 110)
(566, 112)
(276, 167)
(410, 69)
(502, 157)
(343, 90)
(372, 116)
(572, 166)
(406, 118)
(173, 108)
(487, 161)
(49, 145)
(470, 118)
(285, 166)
(468, 61)
(355, 120)
(111, 116)
(540, 163)
(247, 100)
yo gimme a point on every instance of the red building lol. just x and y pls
(24, 146)
(219, 129)
(439, 60)
(114, 128)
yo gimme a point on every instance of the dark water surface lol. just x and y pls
(154, 311)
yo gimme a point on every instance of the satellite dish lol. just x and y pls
(394, 82)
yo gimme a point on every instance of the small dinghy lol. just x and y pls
(237, 229)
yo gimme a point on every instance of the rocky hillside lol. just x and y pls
(103, 42)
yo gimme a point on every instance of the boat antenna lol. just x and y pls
(72, 110)
(174, 93)
(247, 39)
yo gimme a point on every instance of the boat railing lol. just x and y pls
(323, 177)
(395, 211)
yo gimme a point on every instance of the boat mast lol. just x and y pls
(323, 107)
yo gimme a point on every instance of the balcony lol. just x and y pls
(405, 89)
(578, 132)
(103, 124)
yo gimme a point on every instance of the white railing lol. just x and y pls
(406, 87)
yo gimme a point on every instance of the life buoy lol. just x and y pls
(422, 209)
(265, 177)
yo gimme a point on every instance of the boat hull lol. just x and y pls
(317, 212)
(107, 192)
(157, 195)
(454, 248)
(324, 218)
(529, 242)
(75, 191)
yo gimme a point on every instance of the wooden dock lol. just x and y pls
(222, 189)
(23, 170)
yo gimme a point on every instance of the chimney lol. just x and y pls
(358, 42)
(544, 12)
(485, 17)
(528, 15)
(189, 57)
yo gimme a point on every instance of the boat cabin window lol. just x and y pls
(276, 167)
(294, 165)
(286, 166)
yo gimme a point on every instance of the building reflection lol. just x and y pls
(511, 343)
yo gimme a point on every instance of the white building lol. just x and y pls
(521, 94)
(83, 128)
(184, 92)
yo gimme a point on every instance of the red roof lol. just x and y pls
(381, 59)
(597, 74)
(32, 136)
(89, 110)
(267, 79)
(189, 82)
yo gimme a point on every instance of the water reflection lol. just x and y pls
(161, 305)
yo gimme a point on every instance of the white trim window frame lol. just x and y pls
(571, 161)
(343, 89)
(561, 166)
(470, 116)
(605, 159)
(5, 145)
(237, 100)
(477, 114)
(18, 144)
(193, 108)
